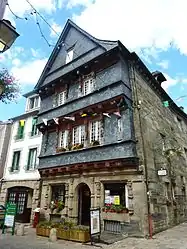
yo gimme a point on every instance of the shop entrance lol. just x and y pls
(84, 204)
(21, 196)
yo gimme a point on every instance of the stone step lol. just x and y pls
(110, 238)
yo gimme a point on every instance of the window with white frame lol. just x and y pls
(69, 56)
(33, 103)
(63, 139)
(61, 98)
(95, 131)
(88, 85)
(79, 135)
(32, 159)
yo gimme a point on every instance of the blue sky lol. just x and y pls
(159, 37)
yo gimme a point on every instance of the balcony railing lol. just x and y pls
(34, 134)
(31, 167)
(12, 170)
(19, 136)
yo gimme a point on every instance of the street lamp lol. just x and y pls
(8, 35)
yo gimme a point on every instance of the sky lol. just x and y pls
(154, 29)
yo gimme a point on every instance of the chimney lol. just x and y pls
(159, 77)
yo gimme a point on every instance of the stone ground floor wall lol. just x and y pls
(34, 185)
(135, 221)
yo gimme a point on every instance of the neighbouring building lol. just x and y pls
(112, 137)
(21, 179)
(5, 129)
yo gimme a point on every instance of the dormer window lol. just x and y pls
(61, 98)
(33, 103)
(69, 56)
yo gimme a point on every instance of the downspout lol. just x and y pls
(137, 105)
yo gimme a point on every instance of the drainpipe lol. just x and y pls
(137, 105)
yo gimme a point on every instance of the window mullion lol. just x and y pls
(96, 131)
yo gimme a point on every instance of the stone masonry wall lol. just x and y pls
(162, 129)
(136, 195)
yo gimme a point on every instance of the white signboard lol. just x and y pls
(95, 221)
(9, 220)
(162, 172)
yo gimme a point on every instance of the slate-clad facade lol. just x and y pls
(93, 148)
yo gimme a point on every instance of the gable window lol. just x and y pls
(69, 56)
(63, 139)
(95, 131)
(20, 131)
(79, 135)
(32, 159)
(61, 98)
(15, 161)
(34, 130)
(33, 102)
(88, 85)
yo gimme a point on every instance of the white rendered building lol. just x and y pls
(21, 179)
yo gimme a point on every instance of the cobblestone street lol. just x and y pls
(175, 238)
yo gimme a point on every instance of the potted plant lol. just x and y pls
(77, 146)
(95, 143)
(59, 206)
(60, 149)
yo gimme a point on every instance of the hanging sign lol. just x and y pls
(95, 221)
(162, 172)
(10, 213)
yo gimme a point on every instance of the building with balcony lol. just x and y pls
(112, 138)
(21, 179)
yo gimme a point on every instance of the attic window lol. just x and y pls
(69, 55)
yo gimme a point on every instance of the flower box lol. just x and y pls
(63, 234)
(79, 236)
(67, 232)
(41, 231)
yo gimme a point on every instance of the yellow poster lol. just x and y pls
(116, 200)
(22, 122)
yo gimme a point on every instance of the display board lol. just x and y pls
(95, 221)
(9, 220)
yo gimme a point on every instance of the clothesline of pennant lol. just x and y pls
(56, 120)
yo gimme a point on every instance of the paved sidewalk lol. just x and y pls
(174, 238)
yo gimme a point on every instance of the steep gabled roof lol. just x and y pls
(106, 45)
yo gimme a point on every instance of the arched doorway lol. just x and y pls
(22, 196)
(84, 204)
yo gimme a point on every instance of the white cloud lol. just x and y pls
(29, 73)
(170, 82)
(23, 6)
(57, 28)
(138, 24)
(73, 3)
(16, 62)
(163, 64)
(35, 53)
